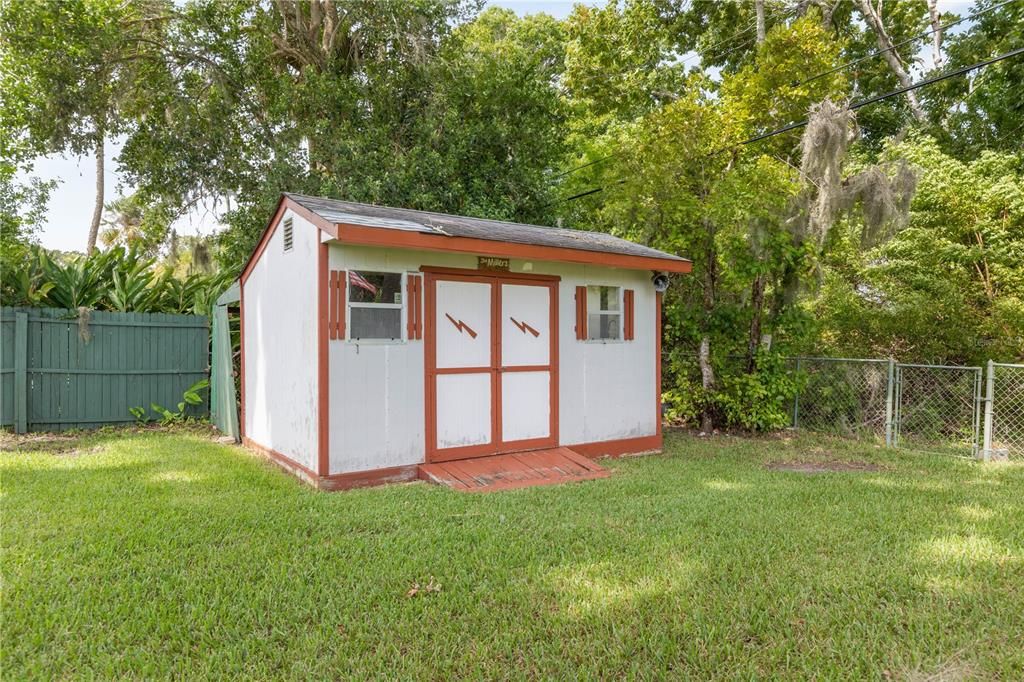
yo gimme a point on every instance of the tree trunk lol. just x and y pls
(707, 380)
(707, 372)
(97, 211)
(936, 21)
(757, 301)
(759, 10)
(874, 20)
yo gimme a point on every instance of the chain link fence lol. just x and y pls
(845, 396)
(937, 406)
(924, 407)
(955, 409)
(1004, 411)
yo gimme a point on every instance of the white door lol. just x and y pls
(491, 365)
(464, 371)
(526, 362)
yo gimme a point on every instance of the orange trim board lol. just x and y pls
(401, 474)
(374, 236)
(355, 479)
(323, 364)
(495, 368)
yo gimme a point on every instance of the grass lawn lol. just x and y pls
(165, 554)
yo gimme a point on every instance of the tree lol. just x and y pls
(133, 223)
(873, 18)
(394, 103)
(679, 182)
(71, 68)
(949, 288)
(984, 110)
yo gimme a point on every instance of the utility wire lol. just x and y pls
(841, 67)
(856, 105)
(781, 12)
(878, 53)
(893, 93)
(777, 14)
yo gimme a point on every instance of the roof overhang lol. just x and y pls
(389, 237)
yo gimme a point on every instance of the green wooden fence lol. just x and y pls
(57, 374)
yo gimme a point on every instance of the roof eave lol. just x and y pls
(363, 235)
(371, 236)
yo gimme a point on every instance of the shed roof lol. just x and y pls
(402, 227)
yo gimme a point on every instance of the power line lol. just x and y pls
(853, 107)
(878, 53)
(893, 93)
(782, 11)
(841, 67)
(777, 14)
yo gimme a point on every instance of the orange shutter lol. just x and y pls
(332, 307)
(581, 313)
(627, 303)
(336, 311)
(414, 311)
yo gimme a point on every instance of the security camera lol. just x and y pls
(660, 281)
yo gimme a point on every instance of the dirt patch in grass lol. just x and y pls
(81, 441)
(39, 442)
(811, 468)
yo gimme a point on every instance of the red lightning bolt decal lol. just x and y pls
(523, 327)
(460, 325)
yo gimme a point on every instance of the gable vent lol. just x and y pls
(288, 237)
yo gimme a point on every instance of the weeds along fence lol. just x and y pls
(964, 410)
(59, 371)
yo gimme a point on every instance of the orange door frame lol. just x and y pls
(496, 368)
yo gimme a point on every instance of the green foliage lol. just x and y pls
(68, 67)
(117, 280)
(192, 397)
(949, 288)
(982, 112)
(393, 103)
(136, 224)
(140, 414)
(760, 400)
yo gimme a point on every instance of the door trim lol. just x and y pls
(496, 444)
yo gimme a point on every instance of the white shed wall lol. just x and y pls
(280, 336)
(377, 401)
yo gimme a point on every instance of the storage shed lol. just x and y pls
(378, 341)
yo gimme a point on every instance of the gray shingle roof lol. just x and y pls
(337, 211)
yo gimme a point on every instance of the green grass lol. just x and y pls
(164, 554)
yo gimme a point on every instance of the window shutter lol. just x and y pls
(413, 311)
(581, 313)
(627, 304)
(336, 311)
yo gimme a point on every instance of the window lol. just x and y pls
(375, 305)
(604, 313)
(288, 236)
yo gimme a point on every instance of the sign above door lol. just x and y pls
(492, 263)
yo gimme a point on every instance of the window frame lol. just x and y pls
(620, 313)
(349, 304)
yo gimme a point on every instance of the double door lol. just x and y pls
(491, 365)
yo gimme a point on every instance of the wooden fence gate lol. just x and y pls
(59, 374)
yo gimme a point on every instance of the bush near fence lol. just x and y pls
(61, 371)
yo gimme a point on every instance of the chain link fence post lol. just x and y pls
(889, 402)
(990, 387)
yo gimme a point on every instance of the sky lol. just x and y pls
(71, 203)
